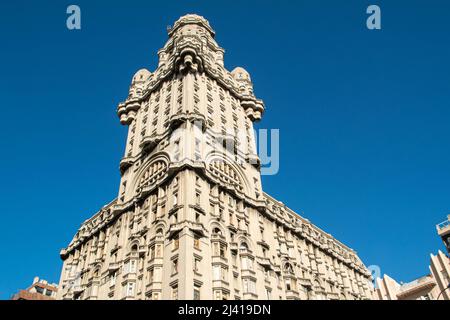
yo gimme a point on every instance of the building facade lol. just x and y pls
(39, 290)
(430, 287)
(191, 220)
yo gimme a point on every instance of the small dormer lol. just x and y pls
(137, 83)
(240, 74)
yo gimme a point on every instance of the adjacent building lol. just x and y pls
(191, 219)
(429, 287)
(443, 230)
(433, 286)
(39, 290)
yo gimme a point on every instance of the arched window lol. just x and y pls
(134, 248)
(217, 232)
(244, 247)
(288, 268)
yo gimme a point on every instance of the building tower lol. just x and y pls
(191, 220)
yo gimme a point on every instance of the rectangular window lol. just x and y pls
(112, 279)
(219, 249)
(157, 274)
(132, 266)
(234, 259)
(158, 251)
(222, 250)
(175, 266)
(268, 294)
(216, 272)
(130, 289)
(196, 292)
(247, 263)
(175, 292)
(249, 286)
(224, 274)
(288, 285)
(196, 264)
(197, 144)
(176, 243)
(220, 273)
(150, 275)
(196, 242)
(152, 253)
(153, 213)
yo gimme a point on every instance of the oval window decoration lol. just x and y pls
(152, 174)
(226, 174)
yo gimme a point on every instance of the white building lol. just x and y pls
(191, 220)
(430, 287)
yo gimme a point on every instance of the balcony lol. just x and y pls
(142, 249)
(130, 276)
(176, 120)
(292, 294)
(219, 260)
(305, 282)
(133, 254)
(77, 289)
(250, 296)
(264, 261)
(125, 163)
(254, 160)
(426, 282)
(249, 273)
(113, 266)
(333, 296)
(220, 284)
(443, 228)
(149, 143)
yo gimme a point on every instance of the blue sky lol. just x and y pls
(363, 117)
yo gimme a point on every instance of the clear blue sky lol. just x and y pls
(363, 117)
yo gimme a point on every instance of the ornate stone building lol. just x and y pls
(191, 220)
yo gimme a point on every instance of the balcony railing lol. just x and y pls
(423, 281)
(113, 266)
(443, 225)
